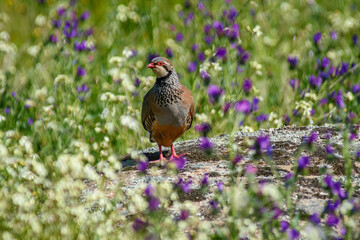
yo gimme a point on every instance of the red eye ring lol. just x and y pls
(160, 63)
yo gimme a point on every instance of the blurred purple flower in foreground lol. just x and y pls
(293, 234)
(139, 225)
(192, 67)
(293, 61)
(284, 225)
(206, 145)
(80, 71)
(247, 85)
(243, 106)
(214, 92)
(317, 38)
(220, 52)
(303, 162)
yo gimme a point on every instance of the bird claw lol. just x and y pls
(172, 156)
(163, 161)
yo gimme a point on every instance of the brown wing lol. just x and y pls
(147, 115)
(188, 99)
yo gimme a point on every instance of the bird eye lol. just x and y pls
(160, 63)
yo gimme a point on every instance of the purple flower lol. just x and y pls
(262, 117)
(293, 61)
(323, 101)
(293, 234)
(315, 219)
(220, 186)
(303, 162)
(80, 71)
(237, 159)
(201, 56)
(195, 47)
(294, 83)
(201, 6)
(189, 18)
(30, 121)
(185, 186)
(204, 75)
(69, 30)
(329, 149)
(61, 11)
(325, 62)
(226, 107)
(214, 204)
(203, 128)
(206, 145)
(207, 29)
(80, 46)
(242, 55)
(53, 38)
(214, 92)
(247, 85)
(192, 67)
(139, 225)
(233, 33)
(154, 203)
(317, 38)
(205, 180)
(331, 206)
(56, 23)
(184, 214)
(284, 225)
(82, 88)
(251, 169)
(356, 88)
(218, 27)
(311, 139)
(339, 100)
(333, 35)
(85, 15)
(332, 220)
(149, 190)
(220, 52)
(315, 81)
(142, 166)
(355, 39)
(262, 145)
(179, 37)
(232, 14)
(209, 39)
(151, 56)
(357, 155)
(13, 94)
(243, 106)
(179, 162)
(344, 68)
(7, 110)
(137, 82)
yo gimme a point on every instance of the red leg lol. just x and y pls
(161, 159)
(173, 153)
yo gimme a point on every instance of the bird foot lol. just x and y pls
(162, 161)
(174, 155)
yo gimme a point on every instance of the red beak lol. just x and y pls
(151, 65)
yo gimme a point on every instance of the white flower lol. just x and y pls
(130, 122)
(4, 36)
(349, 96)
(62, 78)
(216, 66)
(40, 20)
(2, 118)
(9, 48)
(257, 32)
(33, 50)
(127, 52)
